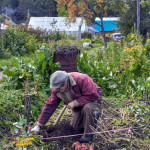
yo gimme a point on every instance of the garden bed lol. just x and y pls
(111, 119)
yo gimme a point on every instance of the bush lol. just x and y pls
(55, 36)
(43, 62)
(85, 40)
(86, 35)
(99, 40)
(43, 35)
(16, 42)
(147, 46)
(37, 33)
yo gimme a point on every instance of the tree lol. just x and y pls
(128, 21)
(18, 9)
(138, 16)
(145, 2)
(38, 8)
(90, 9)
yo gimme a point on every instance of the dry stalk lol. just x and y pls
(99, 133)
(101, 128)
(128, 124)
(26, 85)
(109, 126)
(35, 88)
(101, 143)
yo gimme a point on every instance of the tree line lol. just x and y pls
(20, 10)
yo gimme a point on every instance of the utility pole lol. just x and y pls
(28, 14)
(138, 16)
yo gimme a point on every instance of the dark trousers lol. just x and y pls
(83, 117)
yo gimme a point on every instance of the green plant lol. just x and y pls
(87, 35)
(147, 46)
(102, 73)
(12, 99)
(18, 72)
(139, 111)
(99, 40)
(86, 40)
(17, 42)
(43, 62)
(26, 139)
(56, 36)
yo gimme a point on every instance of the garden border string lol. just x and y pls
(116, 130)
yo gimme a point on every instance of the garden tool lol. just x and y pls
(59, 116)
(30, 99)
(29, 108)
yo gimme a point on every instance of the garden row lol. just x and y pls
(122, 70)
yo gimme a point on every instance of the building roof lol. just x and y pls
(109, 23)
(55, 24)
(108, 19)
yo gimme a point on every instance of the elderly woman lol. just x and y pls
(80, 94)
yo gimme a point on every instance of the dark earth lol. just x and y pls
(64, 128)
(103, 141)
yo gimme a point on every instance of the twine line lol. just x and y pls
(58, 137)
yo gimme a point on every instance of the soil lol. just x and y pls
(103, 141)
(64, 128)
(66, 50)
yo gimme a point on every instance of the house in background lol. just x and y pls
(109, 23)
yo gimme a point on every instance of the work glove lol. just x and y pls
(36, 128)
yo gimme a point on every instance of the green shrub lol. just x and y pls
(43, 62)
(43, 35)
(147, 46)
(55, 36)
(16, 42)
(86, 40)
(86, 35)
(99, 40)
(12, 106)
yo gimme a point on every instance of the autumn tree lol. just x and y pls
(90, 9)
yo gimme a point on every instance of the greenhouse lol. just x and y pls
(52, 24)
